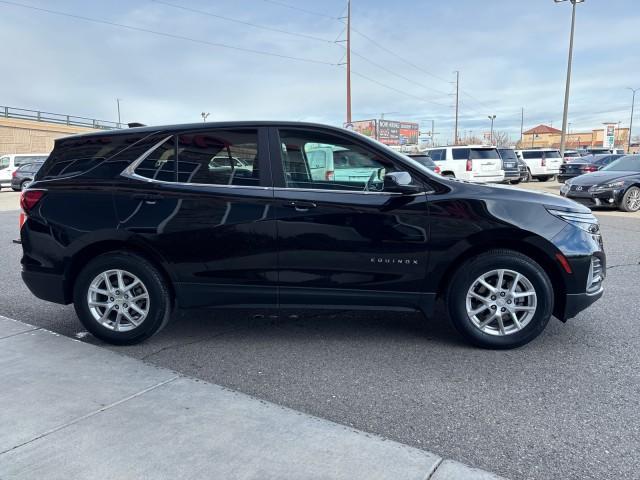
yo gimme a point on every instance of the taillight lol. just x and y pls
(15, 172)
(469, 165)
(328, 176)
(29, 199)
(437, 170)
(589, 168)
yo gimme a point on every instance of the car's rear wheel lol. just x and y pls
(543, 178)
(24, 185)
(500, 299)
(631, 200)
(121, 298)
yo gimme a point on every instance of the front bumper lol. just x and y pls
(607, 198)
(577, 302)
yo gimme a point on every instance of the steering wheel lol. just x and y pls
(369, 184)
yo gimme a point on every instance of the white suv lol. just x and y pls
(10, 163)
(543, 163)
(476, 163)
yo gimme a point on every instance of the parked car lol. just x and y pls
(21, 177)
(571, 155)
(476, 163)
(510, 165)
(425, 161)
(587, 164)
(525, 174)
(543, 163)
(616, 185)
(604, 151)
(10, 162)
(153, 228)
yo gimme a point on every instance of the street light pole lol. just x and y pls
(118, 102)
(633, 104)
(492, 118)
(563, 138)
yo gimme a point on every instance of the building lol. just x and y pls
(30, 131)
(544, 136)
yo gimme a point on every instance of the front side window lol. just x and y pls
(4, 162)
(317, 160)
(437, 154)
(219, 157)
(161, 163)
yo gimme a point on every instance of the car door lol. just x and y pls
(203, 200)
(345, 241)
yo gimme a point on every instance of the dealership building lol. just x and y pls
(610, 135)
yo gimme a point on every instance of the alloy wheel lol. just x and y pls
(118, 300)
(501, 302)
(633, 200)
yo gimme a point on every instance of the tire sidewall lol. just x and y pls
(159, 308)
(462, 281)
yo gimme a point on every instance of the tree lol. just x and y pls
(501, 139)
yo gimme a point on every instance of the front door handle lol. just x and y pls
(300, 206)
(149, 198)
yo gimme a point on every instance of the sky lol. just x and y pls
(170, 60)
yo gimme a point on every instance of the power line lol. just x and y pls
(243, 22)
(402, 92)
(293, 7)
(165, 34)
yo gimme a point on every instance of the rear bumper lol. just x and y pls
(577, 302)
(46, 286)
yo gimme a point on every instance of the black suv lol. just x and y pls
(128, 224)
(21, 178)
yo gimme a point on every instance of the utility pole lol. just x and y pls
(492, 118)
(118, 102)
(455, 141)
(633, 104)
(348, 61)
(433, 133)
(563, 138)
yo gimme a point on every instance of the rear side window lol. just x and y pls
(552, 154)
(531, 155)
(161, 163)
(437, 154)
(28, 159)
(460, 153)
(219, 157)
(4, 162)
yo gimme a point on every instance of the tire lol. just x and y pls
(543, 178)
(529, 177)
(533, 278)
(24, 185)
(156, 306)
(515, 182)
(449, 175)
(631, 200)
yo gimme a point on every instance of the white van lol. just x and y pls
(543, 163)
(331, 163)
(476, 163)
(9, 163)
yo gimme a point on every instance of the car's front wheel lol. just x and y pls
(631, 200)
(121, 298)
(543, 178)
(500, 299)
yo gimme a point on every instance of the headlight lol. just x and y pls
(584, 221)
(607, 186)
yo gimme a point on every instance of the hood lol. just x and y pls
(505, 193)
(596, 178)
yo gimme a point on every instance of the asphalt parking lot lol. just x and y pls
(564, 406)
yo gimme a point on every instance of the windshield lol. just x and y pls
(28, 159)
(508, 154)
(552, 154)
(630, 163)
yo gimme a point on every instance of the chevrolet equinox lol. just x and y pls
(129, 224)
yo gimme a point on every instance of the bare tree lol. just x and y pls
(501, 139)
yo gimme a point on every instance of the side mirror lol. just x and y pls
(399, 182)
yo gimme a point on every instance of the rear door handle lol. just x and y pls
(300, 206)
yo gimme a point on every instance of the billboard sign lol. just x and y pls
(365, 127)
(398, 133)
(609, 140)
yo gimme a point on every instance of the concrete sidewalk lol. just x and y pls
(71, 410)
